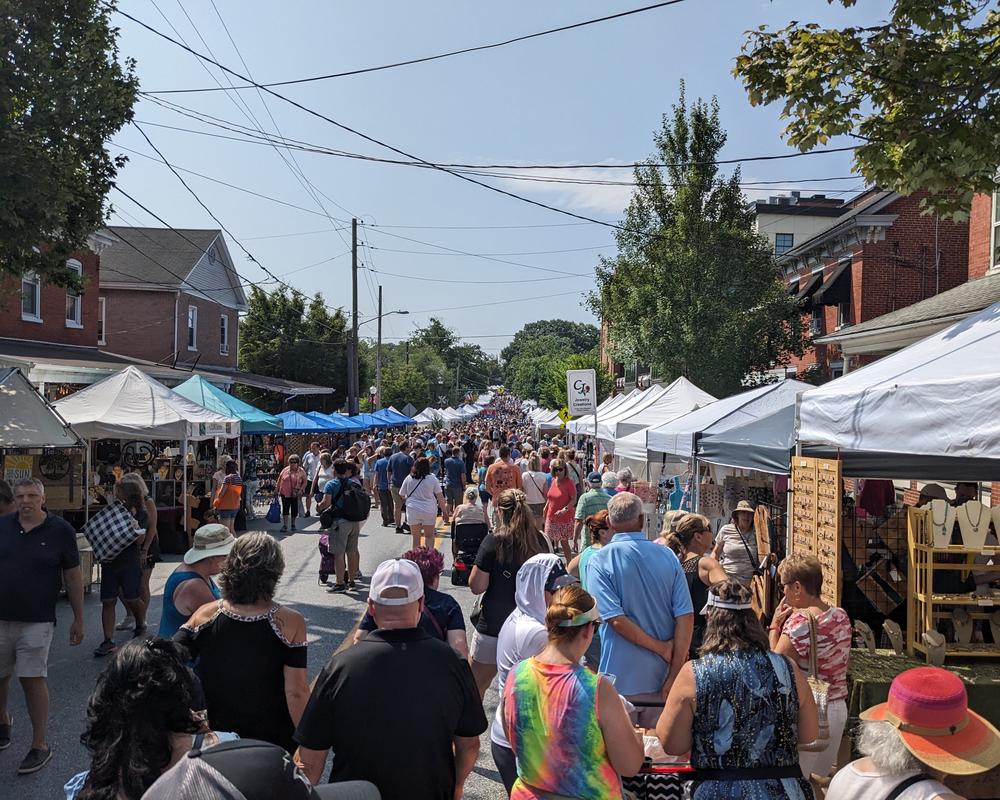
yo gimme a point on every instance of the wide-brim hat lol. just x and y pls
(929, 708)
(210, 540)
(743, 505)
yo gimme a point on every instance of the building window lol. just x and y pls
(791, 372)
(224, 335)
(74, 303)
(31, 298)
(816, 323)
(783, 242)
(836, 370)
(995, 233)
(101, 330)
(192, 327)
(843, 314)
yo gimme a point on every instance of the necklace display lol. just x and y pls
(942, 522)
(974, 526)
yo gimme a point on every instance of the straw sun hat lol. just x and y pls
(929, 709)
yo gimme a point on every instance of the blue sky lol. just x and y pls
(593, 95)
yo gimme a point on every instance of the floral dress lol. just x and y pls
(747, 710)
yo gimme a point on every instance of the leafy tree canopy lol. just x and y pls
(63, 94)
(537, 345)
(284, 336)
(552, 393)
(921, 91)
(694, 290)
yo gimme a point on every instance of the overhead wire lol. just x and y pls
(449, 54)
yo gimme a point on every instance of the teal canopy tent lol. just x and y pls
(252, 420)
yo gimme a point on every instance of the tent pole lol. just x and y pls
(184, 485)
(696, 478)
(86, 482)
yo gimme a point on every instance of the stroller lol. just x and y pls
(465, 541)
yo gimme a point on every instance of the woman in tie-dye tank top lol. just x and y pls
(566, 725)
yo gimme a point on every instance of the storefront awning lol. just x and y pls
(810, 287)
(837, 288)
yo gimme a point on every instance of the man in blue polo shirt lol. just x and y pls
(645, 624)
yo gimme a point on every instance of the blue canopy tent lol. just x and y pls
(336, 422)
(297, 422)
(391, 418)
(369, 421)
(252, 420)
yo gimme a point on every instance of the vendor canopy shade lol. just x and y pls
(939, 397)
(608, 424)
(676, 437)
(392, 419)
(585, 424)
(297, 422)
(763, 444)
(27, 419)
(204, 393)
(335, 423)
(677, 398)
(130, 404)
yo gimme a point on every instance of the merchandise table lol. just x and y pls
(869, 676)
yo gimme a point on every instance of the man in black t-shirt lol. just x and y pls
(38, 553)
(399, 708)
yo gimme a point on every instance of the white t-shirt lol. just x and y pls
(533, 484)
(420, 494)
(310, 463)
(325, 474)
(520, 637)
(851, 783)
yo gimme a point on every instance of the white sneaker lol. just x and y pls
(126, 624)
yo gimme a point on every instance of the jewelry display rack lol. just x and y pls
(925, 608)
(817, 507)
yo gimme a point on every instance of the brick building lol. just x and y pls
(171, 297)
(880, 256)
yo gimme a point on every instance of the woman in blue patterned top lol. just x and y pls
(739, 709)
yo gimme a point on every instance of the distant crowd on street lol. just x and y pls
(593, 633)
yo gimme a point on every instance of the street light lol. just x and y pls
(378, 348)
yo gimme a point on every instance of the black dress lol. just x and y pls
(699, 596)
(241, 663)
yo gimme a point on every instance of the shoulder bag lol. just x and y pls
(403, 506)
(110, 531)
(820, 690)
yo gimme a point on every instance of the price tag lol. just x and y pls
(989, 552)
(984, 601)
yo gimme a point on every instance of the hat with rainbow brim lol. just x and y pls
(929, 708)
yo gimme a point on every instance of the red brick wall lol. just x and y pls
(209, 333)
(53, 307)
(139, 323)
(980, 220)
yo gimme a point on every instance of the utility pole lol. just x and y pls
(352, 349)
(378, 354)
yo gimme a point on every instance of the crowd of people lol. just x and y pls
(590, 629)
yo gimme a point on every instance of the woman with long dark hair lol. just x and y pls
(691, 540)
(139, 722)
(500, 556)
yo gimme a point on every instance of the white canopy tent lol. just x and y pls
(677, 398)
(132, 405)
(584, 426)
(929, 410)
(607, 423)
(27, 419)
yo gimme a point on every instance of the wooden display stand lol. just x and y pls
(816, 517)
(924, 608)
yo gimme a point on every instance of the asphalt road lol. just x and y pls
(330, 619)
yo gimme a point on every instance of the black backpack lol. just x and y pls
(356, 506)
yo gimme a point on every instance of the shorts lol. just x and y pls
(226, 513)
(421, 518)
(24, 648)
(396, 496)
(454, 494)
(290, 505)
(121, 575)
(343, 537)
(484, 648)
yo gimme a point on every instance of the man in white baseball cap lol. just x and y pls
(397, 697)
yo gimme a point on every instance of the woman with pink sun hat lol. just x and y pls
(912, 743)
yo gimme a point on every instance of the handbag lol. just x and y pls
(274, 512)
(110, 531)
(820, 691)
(477, 611)
(403, 506)
(654, 782)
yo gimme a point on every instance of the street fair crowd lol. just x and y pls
(625, 664)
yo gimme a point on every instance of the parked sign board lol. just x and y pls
(581, 391)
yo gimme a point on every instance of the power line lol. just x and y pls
(437, 56)
(387, 146)
(494, 303)
(527, 253)
(470, 281)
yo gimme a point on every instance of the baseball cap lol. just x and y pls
(558, 577)
(594, 479)
(396, 573)
(246, 769)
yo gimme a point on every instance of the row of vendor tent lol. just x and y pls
(318, 422)
(545, 419)
(925, 412)
(447, 416)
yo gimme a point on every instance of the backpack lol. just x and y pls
(356, 506)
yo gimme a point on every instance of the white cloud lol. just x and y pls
(608, 201)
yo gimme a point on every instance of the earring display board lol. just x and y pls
(935, 602)
(816, 517)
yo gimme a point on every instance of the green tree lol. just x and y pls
(284, 337)
(920, 90)
(693, 288)
(552, 393)
(63, 94)
(533, 349)
(403, 384)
